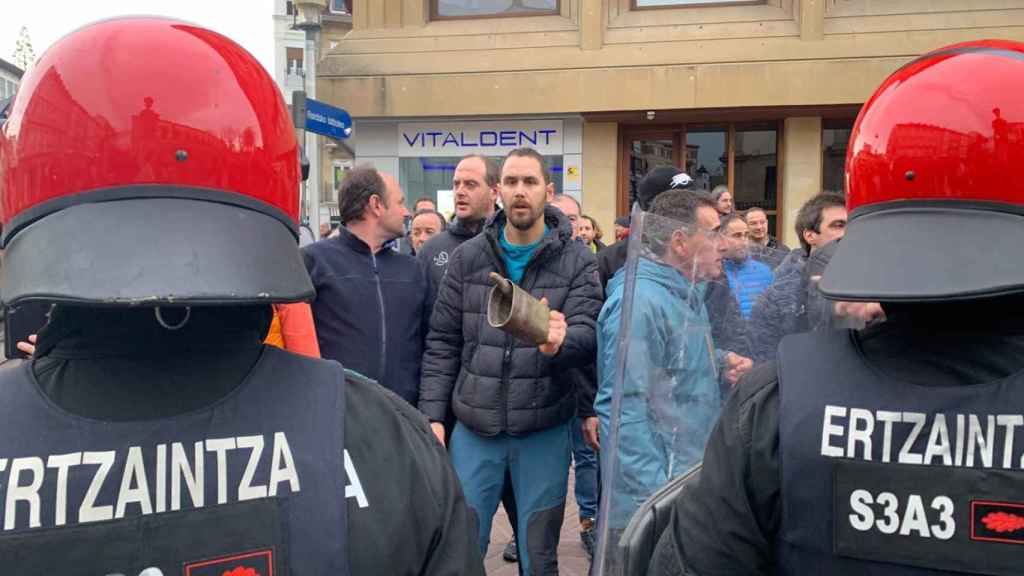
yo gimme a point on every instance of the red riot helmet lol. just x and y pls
(935, 181)
(148, 161)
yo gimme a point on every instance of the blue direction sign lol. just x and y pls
(327, 120)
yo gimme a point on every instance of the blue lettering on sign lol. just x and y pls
(492, 136)
(482, 139)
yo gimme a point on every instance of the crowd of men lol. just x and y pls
(513, 415)
(153, 431)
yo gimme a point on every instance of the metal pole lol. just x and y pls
(312, 143)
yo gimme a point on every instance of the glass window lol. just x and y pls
(341, 6)
(294, 57)
(432, 178)
(755, 172)
(669, 3)
(470, 8)
(289, 8)
(339, 169)
(707, 158)
(834, 142)
(644, 156)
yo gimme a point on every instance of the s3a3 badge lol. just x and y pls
(997, 522)
(255, 563)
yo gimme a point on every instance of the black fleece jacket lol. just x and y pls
(370, 310)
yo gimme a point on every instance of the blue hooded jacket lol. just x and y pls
(670, 395)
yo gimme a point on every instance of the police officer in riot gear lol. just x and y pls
(149, 176)
(895, 449)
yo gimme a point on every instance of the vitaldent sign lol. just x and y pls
(421, 139)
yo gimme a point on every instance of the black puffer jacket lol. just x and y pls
(436, 252)
(496, 383)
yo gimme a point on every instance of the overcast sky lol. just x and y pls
(248, 22)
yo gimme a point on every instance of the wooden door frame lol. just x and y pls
(628, 133)
(677, 133)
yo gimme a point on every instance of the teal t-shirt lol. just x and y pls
(517, 256)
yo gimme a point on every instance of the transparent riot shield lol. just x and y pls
(781, 308)
(825, 314)
(772, 256)
(661, 374)
(747, 273)
(792, 304)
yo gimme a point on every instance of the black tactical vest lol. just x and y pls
(881, 476)
(252, 485)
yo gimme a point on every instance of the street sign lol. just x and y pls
(327, 120)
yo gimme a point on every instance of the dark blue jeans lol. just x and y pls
(586, 463)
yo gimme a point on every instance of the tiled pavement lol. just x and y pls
(572, 560)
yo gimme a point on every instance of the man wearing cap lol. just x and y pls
(153, 432)
(655, 182)
(727, 325)
(667, 325)
(891, 450)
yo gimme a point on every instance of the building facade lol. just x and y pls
(758, 95)
(291, 64)
(10, 77)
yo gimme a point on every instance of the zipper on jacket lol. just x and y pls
(505, 363)
(499, 261)
(383, 322)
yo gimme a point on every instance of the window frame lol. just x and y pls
(833, 124)
(301, 68)
(677, 131)
(436, 16)
(330, 9)
(689, 4)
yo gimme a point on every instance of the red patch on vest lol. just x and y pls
(255, 563)
(997, 521)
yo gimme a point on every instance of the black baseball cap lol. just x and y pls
(659, 180)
